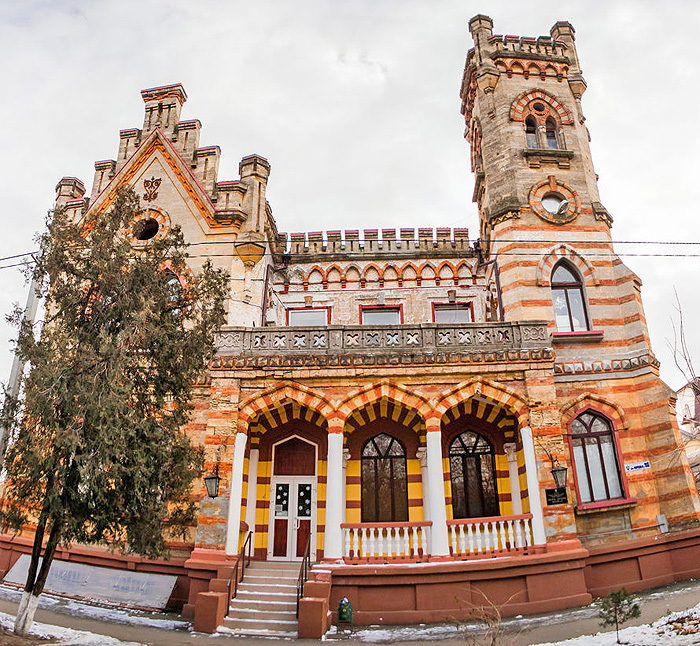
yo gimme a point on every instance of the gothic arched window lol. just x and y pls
(473, 476)
(531, 132)
(384, 480)
(567, 297)
(596, 463)
(551, 132)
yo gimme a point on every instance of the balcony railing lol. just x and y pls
(490, 536)
(428, 338)
(383, 542)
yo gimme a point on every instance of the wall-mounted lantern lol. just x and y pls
(211, 482)
(559, 475)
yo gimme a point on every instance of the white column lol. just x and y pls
(512, 455)
(346, 459)
(233, 526)
(436, 489)
(332, 541)
(252, 499)
(533, 486)
(421, 454)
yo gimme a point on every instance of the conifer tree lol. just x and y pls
(617, 608)
(97, 452)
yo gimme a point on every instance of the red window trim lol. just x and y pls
(382, 307)
(620, 465)
(289, 309)
(602, 505)
(469, 304)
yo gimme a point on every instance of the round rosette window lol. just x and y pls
(554, 201)
(147, 225)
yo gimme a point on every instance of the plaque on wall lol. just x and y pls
(556, 496)
(144, 589)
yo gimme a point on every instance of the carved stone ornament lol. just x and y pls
(151, 187)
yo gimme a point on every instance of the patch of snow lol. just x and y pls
(66, 636)
(102, 612)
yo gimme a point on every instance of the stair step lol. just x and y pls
(258, 604)
(271, 626)
(263, 615)
(275, 565)
(267, 588)
(254, 577)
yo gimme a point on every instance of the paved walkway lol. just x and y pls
(523, 631)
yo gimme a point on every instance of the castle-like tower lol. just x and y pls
(543, 225)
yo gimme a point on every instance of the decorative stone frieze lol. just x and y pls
(364, 345)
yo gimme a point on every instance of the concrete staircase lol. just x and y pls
(266, 602)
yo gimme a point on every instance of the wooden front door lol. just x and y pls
(292, 501)
(292, 505)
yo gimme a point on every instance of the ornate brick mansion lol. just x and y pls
(427, 416)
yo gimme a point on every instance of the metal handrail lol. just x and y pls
(243, 561)
(303, 572)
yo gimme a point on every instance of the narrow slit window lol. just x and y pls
(531, 132)
(551, 131)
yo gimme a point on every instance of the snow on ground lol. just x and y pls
(675, 629)
(66, 636)
(99, 611)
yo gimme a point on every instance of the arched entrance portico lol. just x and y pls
(293, 500)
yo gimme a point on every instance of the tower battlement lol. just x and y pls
(428, 241)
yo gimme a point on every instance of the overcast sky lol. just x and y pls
(356, 106)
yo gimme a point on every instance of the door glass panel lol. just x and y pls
(282, 500)
(304, 501)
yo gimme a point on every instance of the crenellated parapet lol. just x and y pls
(375, 244)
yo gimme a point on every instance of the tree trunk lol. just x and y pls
(34, 587)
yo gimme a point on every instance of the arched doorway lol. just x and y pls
(292, 499)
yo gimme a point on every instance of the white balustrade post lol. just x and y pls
(533, 486)
(436, 490)
(332, 542)
(233, 524)
(512, 455)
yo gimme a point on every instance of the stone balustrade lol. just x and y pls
(383, 542)
(490, 536)
(519, 339)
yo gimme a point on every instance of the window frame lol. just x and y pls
(393, 481)
(364, 308)
(624, 498)
(494, 474)
(458, 304)
(531, 137)
(566, 287)
(551, 125)
(287, 310)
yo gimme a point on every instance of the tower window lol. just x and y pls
(568, 300)
(595, 458)
(531, 132)
(551, 131)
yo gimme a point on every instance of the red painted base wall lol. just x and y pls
(554, 580)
